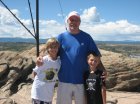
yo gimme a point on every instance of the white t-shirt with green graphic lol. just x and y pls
(43, 85)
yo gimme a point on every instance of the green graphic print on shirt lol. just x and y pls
(50, 75)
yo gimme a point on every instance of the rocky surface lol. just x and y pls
(123, 72)
(16, 78)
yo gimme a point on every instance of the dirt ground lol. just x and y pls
(121, 97)
(124, 97)
(23, 97)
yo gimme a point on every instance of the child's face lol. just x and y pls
(53, 50)
(93, 61)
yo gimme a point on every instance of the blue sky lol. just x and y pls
(103, 19)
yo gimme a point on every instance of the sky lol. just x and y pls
(104, 20)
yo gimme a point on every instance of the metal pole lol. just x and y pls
(37, 27)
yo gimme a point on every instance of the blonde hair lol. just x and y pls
(50, 42)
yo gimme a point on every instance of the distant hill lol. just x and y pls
(25, 40)
(32, 40)
(119, 42)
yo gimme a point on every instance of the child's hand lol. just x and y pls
(39, 61)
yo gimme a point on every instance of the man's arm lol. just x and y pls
(101, 67)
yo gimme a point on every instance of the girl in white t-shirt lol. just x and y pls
(46, 75)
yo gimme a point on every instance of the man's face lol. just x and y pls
(74, 23)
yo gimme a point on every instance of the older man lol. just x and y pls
(75, 45)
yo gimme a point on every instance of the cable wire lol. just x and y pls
(17, 18)
(31, 16)
(62, 13)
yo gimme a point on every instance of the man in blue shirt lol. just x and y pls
(75, 45)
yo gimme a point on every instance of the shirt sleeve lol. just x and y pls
(93, 47)
(36, 69)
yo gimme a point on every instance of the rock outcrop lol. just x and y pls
(16, 69)
(123, 72)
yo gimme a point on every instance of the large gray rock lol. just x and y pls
(123, 72)
(3, 68)
(16, 69)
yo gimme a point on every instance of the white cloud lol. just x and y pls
(119, 30)
(101, 30)
(5, 16)
(90, 15)
(91, 23)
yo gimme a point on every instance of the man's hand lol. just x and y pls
(39, 61)
(104, 75)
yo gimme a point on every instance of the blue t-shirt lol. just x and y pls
(73, 54)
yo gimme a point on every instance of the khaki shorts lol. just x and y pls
(67, 92)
